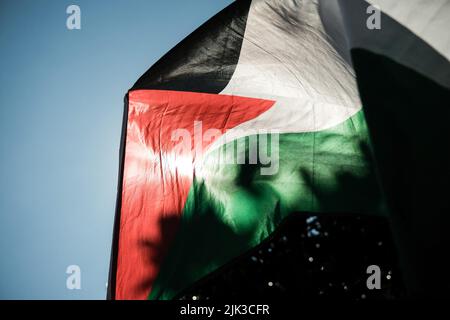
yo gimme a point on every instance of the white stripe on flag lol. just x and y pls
(286, 56)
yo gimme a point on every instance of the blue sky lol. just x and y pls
(61, 103)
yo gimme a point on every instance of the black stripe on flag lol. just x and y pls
(206, 59)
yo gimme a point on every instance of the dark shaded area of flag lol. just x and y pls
(310, 257)
(409, 128)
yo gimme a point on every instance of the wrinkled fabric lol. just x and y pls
(264, 66)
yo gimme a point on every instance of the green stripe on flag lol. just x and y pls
(232, 208)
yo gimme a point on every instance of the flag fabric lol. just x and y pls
(254, 116)
(403, 74)
(257, 68)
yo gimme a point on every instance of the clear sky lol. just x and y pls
(61, 103)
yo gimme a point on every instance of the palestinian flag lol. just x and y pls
(253, 117)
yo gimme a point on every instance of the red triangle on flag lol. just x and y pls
(156, 179)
